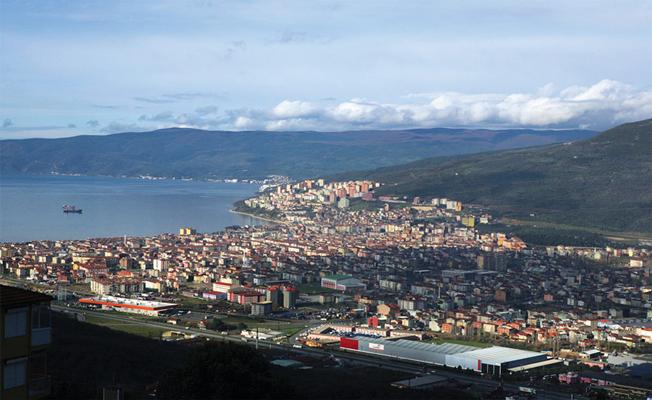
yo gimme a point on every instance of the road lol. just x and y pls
(357, 358)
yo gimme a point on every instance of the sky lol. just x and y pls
(98, 67)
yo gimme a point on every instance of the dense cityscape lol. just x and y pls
(356, 266)
(325, 200)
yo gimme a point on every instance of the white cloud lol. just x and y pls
(598, 106)
(118, 127)
(293, 109)
(243, 123)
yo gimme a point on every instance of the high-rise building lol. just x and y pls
(343, 203)
(274, 295)
(261, 308)
(185, 231)
(26, 333)
(290, 295)
(160, 265)
(469, 220)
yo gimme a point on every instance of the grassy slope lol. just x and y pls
(84, 357)
(603, 182)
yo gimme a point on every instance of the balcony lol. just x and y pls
(41, 336)
(39, 386)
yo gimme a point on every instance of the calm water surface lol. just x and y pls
(31, 207)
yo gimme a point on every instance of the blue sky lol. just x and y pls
(97, 67)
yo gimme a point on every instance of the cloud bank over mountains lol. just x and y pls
(598, 106)
(323, 65)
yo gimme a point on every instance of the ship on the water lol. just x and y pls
(68, 209)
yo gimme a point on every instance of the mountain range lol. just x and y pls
(193, 153)
(604, 182)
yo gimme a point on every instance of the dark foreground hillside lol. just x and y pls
(85, 358)
(604, 182)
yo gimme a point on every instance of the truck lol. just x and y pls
(525, 389)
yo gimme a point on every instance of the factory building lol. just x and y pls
(493, 360)
(342, 282)
(152, 308)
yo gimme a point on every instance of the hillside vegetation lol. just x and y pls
(604, 182)
(196, 153)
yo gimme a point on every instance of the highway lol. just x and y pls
(357, 358)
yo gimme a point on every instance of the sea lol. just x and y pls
(31, 207)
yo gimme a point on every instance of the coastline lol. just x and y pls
(114, 207)
(274, 221)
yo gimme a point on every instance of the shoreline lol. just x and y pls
(149, 178)
(2, 242)
(274, 221)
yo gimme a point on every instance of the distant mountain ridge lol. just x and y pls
(603, 182)
(194, 153)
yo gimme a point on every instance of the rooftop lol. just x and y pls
(127, 302)
(420, 382)
(13, 296)
(498, 355)
(337, 277)
(446, 348)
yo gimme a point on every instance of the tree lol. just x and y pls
(217, 324)
(222, 371)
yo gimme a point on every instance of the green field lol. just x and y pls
(127, 327)
(314, 288)
(190, 302)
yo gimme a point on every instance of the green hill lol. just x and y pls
(194, 153)
(604, 182)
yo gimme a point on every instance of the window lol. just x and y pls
(15, 372)
(40, 316)
(16, 322)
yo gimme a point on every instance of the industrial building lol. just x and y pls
(342, 282)
(152, 308)
(493, 360)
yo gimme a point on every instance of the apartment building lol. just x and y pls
(26, 333)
